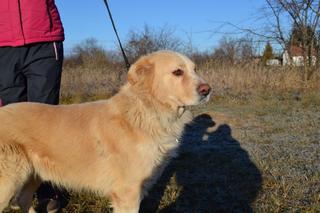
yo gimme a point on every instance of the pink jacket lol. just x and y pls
(29, 21)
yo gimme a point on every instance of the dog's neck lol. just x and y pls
(152, 115)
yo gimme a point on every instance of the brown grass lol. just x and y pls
(233, 81)
(85, 83)
(254, 80)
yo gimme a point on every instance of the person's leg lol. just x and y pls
(50, 198)
(43, 67)
(43, 72)
(12, 82)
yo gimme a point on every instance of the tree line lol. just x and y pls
(289, 23)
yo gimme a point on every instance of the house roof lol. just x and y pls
(298, 51)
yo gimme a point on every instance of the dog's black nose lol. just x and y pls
(204, 89)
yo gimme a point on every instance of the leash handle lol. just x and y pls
(127, 64)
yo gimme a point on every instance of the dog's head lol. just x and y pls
(170, 78)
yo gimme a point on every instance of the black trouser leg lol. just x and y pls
(43, 72)
(31, 73)
(12, 81)
(43, 81)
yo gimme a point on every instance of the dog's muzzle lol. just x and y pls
(204, 90)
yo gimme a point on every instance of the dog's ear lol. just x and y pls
(139, 70)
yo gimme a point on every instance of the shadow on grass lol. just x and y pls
(213, 174)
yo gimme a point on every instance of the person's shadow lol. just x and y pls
(212, 174)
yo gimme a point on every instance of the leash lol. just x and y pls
(126, 61)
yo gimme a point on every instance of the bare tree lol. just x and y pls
(282, 18)
(246, 49)
(149, 40)
(226, 51)
(304, 18)
(88, 53)
(232, 50)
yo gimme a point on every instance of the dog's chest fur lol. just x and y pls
(164, 131)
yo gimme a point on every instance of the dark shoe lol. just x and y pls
(53, 206)
(50, 199)
(14, 206)
(14, 202)
(49, 206)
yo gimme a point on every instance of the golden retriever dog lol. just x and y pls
(116, 147)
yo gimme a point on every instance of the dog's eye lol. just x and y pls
(178, 72)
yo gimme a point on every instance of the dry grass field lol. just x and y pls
(255, 147)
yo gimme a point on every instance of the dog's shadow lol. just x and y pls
(212, 174)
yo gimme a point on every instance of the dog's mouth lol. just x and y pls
(201, 99)
(198, 98)
(204, 98)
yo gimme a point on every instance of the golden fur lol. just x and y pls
(114, 147)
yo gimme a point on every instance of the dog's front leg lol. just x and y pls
(127, 199)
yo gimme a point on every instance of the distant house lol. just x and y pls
(296, 58)
(273, 62)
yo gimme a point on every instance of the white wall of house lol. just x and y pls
(296, 60)
(286, 58)
(273, 62)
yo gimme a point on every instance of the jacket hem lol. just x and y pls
(30, 41)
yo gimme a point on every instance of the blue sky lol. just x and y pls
(195, 19)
